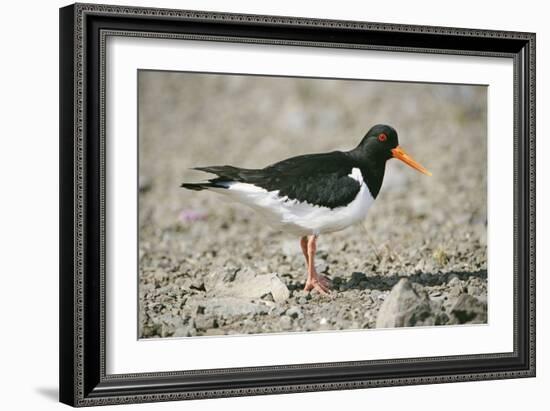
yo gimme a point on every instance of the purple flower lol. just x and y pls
(189, 215)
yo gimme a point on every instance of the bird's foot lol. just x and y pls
(320, 283)
(325, 281)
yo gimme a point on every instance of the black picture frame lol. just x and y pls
(83, 29)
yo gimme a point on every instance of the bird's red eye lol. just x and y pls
(382, 137)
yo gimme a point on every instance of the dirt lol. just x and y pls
(209, 267)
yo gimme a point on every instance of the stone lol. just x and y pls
(322, 267)
(153, 330)
(456, 286)
(248, 285)
(197, 285)
(226, 307)
(356, 279)
(144, 183)
(454, 281)
(279, 290)
(475, 290)
(168, 325)
(294, 312)
(268, 298)
(230, 274)
(286, 322)
(468, 310)
(185, 331)
(160, 276)
(475, 287)
(404, 307)
(419, 268)
(205, 323)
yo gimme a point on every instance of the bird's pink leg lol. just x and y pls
(322, 279)
(314, 280)
(303, 244)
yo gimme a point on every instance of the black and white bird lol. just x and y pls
(313, 194)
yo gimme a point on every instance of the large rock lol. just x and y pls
(469, 310)
(248, 285)
(405, 307)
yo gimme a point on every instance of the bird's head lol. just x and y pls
(380, 144)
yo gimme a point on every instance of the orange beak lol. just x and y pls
(399, 153)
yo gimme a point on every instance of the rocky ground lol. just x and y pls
(208, 267)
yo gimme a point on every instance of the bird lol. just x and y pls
(313, 194)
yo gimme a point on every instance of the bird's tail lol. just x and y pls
(223, 180)
(196, 186)
(214, 183)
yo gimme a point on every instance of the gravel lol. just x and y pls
(209, 267)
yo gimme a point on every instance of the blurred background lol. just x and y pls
(194, 246)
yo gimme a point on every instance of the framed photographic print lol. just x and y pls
(262, 204)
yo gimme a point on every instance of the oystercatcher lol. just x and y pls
(313, 194)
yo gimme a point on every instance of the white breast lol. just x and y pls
(302, 218)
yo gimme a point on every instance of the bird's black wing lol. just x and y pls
(319, 179)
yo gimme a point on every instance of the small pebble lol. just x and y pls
(286, 322)
(294, 312)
